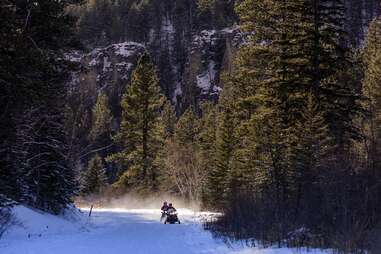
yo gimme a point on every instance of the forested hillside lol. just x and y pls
(266, 111)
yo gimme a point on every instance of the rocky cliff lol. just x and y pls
(190, 47)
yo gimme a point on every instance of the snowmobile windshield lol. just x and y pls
(171, 210)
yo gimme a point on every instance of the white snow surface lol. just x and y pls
(114, 231)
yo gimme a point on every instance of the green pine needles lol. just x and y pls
(140, 135)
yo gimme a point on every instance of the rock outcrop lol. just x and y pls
(185, 83)
(190, 49)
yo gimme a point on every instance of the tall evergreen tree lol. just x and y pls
(300, 47)
(32, 83)
(187, 128)
(304, 48)
(140, 134)
(47, 182)
(372, 103)
(295, 70)
(218, 174)
(207, 144)
(372, 90)
(94, 180)
(102, 120)
(313, 150)
(169, 119)
(208, 123)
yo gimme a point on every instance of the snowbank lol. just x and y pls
(32, 223)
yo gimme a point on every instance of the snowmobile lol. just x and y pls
(171, 217)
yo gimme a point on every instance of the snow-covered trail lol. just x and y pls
(112, 231)
(128, 231)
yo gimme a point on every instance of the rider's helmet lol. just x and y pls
(170, 204)
(165, 203)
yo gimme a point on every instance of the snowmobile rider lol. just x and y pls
(164, 208)
(171, 208)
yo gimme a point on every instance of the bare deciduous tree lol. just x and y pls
(183, 169)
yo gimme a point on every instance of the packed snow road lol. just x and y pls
(116, 231)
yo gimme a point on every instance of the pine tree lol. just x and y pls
(207, 127)
(140, 134)
(47, 181)
(95, 179)
(8, 36)
(289, 74)
(169, 119)
(95, 25)
(206, 137)
(32, 79)
(205, 5)
(102, 120)
(9, 184)
(304, 49)
(217, 176)
(303, 52)
(187, 128)
(207, 144)
(313, 150)
(372, 124)
(372, 90)
(332, 67)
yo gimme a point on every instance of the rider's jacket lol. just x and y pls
(171, 209)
